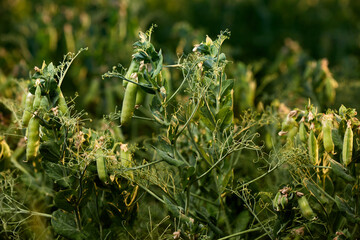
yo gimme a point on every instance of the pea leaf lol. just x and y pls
(226, 88)
(58, 173)
(207, 118)
(64, 224)
(50, 151)
(346, 209)
(65, 199)
(225, 117)
(159, 65)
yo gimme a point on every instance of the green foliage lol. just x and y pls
(194, 157)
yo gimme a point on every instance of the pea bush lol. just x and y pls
(196, 159)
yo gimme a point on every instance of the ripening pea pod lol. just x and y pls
(44, 103)
(305, 208)
(340, 171)
(302, 131)
(140, 94)
(128, 105)
(348, 145)
(292, 133)
(101, 166)
(37, 98)
(327, 134)
(62, 102)
(276, 201)
(33, 139)
(28, 109)
(134, 67)
(313, 147)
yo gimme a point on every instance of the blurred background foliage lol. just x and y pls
(270, 40)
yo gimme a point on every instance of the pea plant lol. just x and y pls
(325, 186)
(71, 179)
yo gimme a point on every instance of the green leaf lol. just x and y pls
(207, 118)
(147, 88)
(226, 87)
(64, 224)
(316, 191)
(224, 117)
(51, 69)
(338, 142)
(50, 151)
(65, 199)
(346, 209)
(58, 173)
(159, 65)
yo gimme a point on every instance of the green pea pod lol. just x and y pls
(28, 109)
(327, 138)
(340, 171)
(134, 67)
(348, 145)
(276, 201)
(37, 98)
(140, 97)
(292, 133)
(101, 166)
(33, 139)
(128, 105)
(44, 103)
(327, 133)
(302, 132)
(305, 208)
(313, 148)
(62, 103)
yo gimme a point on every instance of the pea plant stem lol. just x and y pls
(182, 83)
(143, 166)
(241, 233)
(196, 146)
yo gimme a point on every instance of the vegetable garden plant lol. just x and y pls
(266, 174)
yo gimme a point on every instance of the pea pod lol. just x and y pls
(340, 171)
(305, 208)
(101, 166)
(276, 201)
(33, 139)
(128, 105)
(292, 133)
(28, 109)
(302, 131)
(37, 98)
(134, 67)
(348, 144)
(44, 103)
(313, 147)
(140, 97)
(327, 136)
